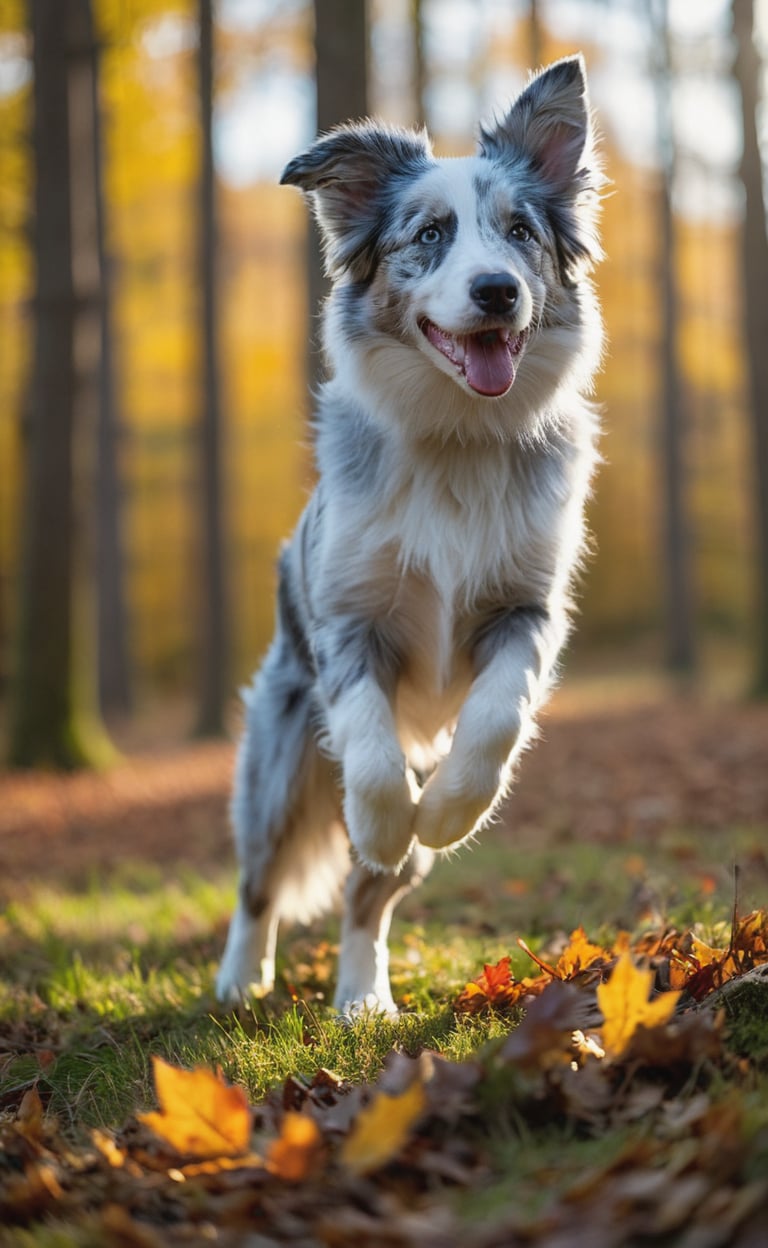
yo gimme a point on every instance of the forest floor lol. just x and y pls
(637, 812)
(604, 770)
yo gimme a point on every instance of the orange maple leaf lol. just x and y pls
(578, 955)
(200, 1115)
(495, 986)
(382, 1128)
(293, 1155)
(626, 1005)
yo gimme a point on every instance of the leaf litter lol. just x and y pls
(632, 1040)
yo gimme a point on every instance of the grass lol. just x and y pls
(92, 983)
(96, 981)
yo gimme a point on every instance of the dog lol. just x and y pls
(425, 595)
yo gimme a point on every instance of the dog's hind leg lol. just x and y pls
(291, 845)
(370, 899)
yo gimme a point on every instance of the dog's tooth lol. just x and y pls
(458, 350)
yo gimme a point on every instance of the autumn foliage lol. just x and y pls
(609, 1037)
(680, 962)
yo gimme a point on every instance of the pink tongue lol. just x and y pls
(488, 364)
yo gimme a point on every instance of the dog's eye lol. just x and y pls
(521, 232)
(430, 235)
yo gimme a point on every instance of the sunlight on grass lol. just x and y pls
(94, 982)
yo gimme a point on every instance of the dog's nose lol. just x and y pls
(495, 292)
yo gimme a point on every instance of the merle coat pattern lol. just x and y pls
(424, 597)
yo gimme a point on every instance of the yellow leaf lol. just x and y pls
(624, 1001)
(293, 1155)
(200, 1115)
(382, 1129)
(579, 954)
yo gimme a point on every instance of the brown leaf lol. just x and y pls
(544, 1037)
(30, 1115)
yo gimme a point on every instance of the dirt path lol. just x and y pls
(601, 774)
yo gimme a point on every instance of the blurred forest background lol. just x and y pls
(155, 316)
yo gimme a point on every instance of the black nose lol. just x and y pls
(495, 292)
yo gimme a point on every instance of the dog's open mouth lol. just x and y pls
(487, 361)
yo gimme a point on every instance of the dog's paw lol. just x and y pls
(446, 816)
(380, 828)
(379, 811)
(355, 1006)
(238, 978)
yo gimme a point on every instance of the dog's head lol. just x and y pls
(468, 263)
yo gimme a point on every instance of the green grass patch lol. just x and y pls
(94, 982)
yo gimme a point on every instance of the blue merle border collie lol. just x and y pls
(424, 597)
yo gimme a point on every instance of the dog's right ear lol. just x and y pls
(346, 175)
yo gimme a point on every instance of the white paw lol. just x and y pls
(363, 985)
(248, 966)
(378, 804)
(444, 818)
(379, 821)
(355, 1007)
(236, 981)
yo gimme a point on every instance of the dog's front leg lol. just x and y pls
(354, 674)
(514, 659)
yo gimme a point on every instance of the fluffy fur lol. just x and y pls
(424, 597)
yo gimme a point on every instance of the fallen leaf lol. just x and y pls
(382, 1129)
(296, 1151)
(494, 987)
(200, 1115)
(578, 955)
(626, 1005)
(545, 1036)
(30, 1114)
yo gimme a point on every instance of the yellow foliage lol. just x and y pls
(382, 1129)
(200, 1115)
(624, 1001)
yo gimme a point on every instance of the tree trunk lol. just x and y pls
(213, 614)
(679, 626)
(419, 65)
(535, 34)
(754, 246)
(341, 79)
(53, 716)
(114, 677)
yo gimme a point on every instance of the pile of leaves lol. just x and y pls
(681, 962)
(636, 1042)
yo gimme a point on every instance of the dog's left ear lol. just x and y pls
(550, 127)
(346, 175)
(550, 124)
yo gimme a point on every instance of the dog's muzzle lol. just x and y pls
(487, 360)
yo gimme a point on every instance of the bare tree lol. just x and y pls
(214, 657)
(114, 676)
(341, 78)
(679, 624)
(419, 64)
(536, 34)
(754, 250)
(53, 704)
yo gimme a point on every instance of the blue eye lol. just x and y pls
(521, 232)
(430, 235)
